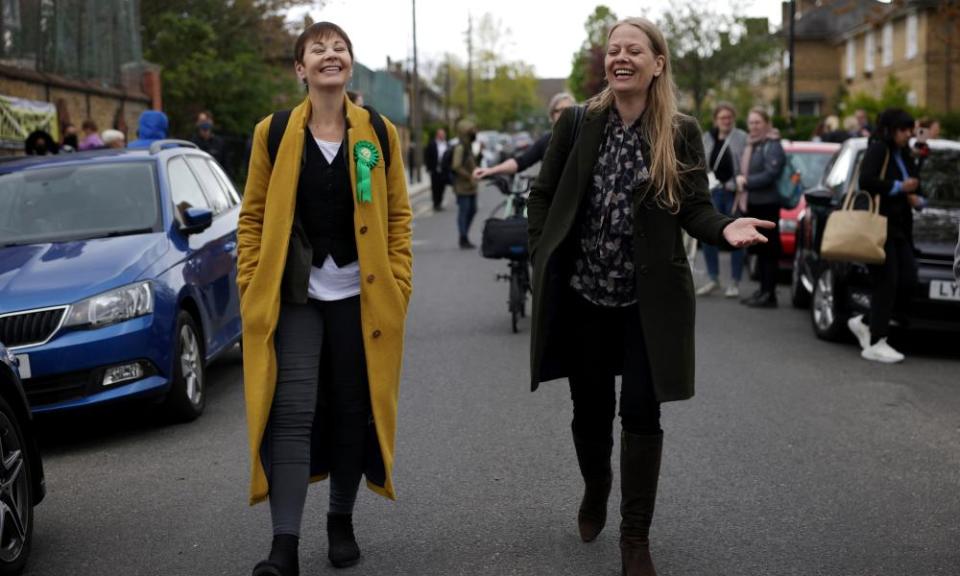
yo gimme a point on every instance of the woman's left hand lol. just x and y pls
(744, 232)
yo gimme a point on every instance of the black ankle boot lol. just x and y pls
(343, 549)
(284, 558)
(594, 460)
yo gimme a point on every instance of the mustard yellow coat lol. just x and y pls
(383, 232)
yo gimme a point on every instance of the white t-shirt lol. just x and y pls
(330, 282)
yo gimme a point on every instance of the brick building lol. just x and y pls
(80, 59)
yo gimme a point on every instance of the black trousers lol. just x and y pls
(608, 342)
(893, 283)
(438, 184)
(768, 255)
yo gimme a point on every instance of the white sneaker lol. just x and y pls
(882, 352)
(709, 288)
(732, 292)
(860, 330)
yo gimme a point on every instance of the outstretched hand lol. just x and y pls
(744, 232)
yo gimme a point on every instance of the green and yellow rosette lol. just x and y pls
(367, 157)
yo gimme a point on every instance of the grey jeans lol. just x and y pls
(320, 355)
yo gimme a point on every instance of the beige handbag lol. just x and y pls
(856, 235)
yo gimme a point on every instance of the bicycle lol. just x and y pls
(506, 237)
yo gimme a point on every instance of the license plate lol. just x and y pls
(24, 361)
(944, 290)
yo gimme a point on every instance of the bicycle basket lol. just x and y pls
(504, 238)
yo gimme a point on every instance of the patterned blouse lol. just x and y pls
(604, 267)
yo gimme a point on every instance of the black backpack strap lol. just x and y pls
(278, 124)
(381, 129)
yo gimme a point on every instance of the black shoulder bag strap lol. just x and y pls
(278, 124)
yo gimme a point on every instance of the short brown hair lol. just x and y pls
(724, 105)
(319, 31)
(89, 125)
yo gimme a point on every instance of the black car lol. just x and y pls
(21, 469)
(838, 290)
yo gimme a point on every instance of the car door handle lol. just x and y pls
(229, 246)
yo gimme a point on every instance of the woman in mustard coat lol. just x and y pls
(325, 275)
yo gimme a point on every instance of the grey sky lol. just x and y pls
(544, 33)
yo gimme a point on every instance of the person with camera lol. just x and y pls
(890, 172)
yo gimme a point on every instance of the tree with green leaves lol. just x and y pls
(504, 90)
(232, 57)
(587, 76)
(710, 50)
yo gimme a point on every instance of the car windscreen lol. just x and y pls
(940, 178)
(802, 170)
(78, 202)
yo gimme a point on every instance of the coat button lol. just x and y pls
(376, 333)
(363, 229)
(371, 278)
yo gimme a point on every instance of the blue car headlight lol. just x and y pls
(117, 305)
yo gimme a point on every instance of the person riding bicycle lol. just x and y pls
(558, 103)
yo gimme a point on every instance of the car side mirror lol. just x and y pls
(196, 220)
(819, 196)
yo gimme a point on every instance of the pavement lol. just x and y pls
(796, 457)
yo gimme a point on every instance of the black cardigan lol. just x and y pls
(895, 207)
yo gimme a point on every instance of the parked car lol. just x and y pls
(804, 168)
(840, 290)
(117, 274)
(21, 473)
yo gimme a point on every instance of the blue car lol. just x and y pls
(118, 275)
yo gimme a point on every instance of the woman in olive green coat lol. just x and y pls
(613, 293)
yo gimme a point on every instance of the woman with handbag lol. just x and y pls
(613, 293)
(324, 272)
(889, 172)
(757, 195)
(723, 146)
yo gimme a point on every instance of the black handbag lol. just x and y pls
(504, 238)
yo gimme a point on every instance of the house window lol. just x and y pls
(851, 58)
(888, 44)
(808, 108)
(911, 36)
(869, 49)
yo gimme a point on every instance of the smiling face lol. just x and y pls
(326, 63)
(631, 63)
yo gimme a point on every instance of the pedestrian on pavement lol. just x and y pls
(463, 164)
(91, 136)
(432, 158)
(206, 140)
(152, 127)
(723, 146)
(40, 143)
(533, 154)
(757, 195)
(863, 122)
(613, 293)
(70, 141)
(324, 270)
(890, 172)
(113, 138)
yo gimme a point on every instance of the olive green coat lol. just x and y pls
(383, 232)
(664, 283)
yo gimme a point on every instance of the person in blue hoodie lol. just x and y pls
(152, 127)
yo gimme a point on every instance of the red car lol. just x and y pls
(804, 167)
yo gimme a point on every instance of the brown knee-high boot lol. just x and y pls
(594, 460)
(639, 472)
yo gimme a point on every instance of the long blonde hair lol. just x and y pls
(661, 120)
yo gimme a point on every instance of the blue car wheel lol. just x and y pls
(187, 395)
